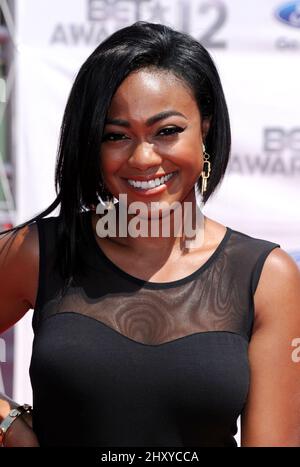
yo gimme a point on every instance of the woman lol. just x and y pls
(143, 340)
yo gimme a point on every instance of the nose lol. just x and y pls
(144, 157)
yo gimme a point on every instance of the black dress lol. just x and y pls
(119, 361)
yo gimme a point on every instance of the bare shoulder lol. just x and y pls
(19, 268)
(271, 415)
(20, 242)
(278, 291)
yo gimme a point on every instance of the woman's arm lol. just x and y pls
(271, 416)
(19, 258)
(19, 262)
(20, 433)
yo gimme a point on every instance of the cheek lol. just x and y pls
(188, 156)
(110, 161)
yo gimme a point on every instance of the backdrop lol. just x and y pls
(256, 47)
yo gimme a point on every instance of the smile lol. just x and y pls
(155, 182)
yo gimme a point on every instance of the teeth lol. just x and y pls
(151, 183)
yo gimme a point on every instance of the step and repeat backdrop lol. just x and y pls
(256, 48)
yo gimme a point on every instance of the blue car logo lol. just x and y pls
(289, 14)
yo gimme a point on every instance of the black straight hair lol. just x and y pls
(78, 177)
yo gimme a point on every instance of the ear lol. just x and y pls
(205, 126)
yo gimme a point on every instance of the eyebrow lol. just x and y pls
(150, 121)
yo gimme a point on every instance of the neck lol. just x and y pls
(181, 229)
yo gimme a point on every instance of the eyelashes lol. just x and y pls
(169, 131)
(173, 130)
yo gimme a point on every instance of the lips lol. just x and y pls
(144, 183)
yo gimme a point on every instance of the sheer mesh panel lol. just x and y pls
(216, 297)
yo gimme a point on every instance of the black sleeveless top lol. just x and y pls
(119, 361)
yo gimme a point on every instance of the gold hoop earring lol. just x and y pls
(206, 170)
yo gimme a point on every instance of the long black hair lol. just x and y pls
(78, 177)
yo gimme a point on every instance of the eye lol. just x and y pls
(170, 131)
(113, 136)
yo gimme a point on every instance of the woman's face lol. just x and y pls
(153, 129)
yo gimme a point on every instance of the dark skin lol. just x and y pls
(170, 144)
(271, 416)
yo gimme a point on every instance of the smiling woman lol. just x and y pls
(151, 342)
(158, 157)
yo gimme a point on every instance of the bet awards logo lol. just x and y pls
(103, 17)
(289, 14)
(280, 154)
